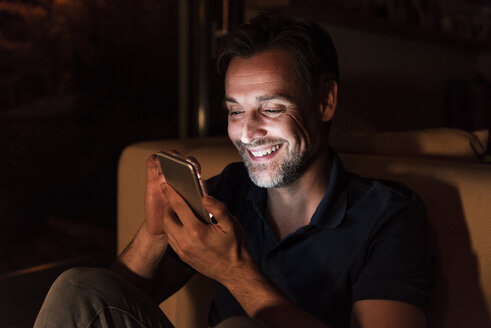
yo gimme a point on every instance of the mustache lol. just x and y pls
(258, 142)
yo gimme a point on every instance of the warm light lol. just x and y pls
(23, 10)
(201, 120)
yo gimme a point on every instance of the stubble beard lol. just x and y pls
(280, 173)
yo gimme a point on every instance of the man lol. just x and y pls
(298, 241)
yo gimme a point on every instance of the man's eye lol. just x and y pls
(234, 113)
(271, 111)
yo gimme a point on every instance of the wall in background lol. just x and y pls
(484, 64)
(394, 83)
(79, 81)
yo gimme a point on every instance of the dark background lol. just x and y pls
(79, 80)
(82, 79)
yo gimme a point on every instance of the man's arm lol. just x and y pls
(159, 275)
(386, 313)
(393, 287)
(263, 301)
(146, 262)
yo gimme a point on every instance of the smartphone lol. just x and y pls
(182, 176)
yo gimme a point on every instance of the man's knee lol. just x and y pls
(78, 275)
(79, 295)
(96, 281)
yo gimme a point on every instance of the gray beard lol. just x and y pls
(288, 172)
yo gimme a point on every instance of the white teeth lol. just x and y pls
(265, 152)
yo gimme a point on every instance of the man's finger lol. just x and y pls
(153, 168)
(171, 222)
(175, 153)
(179, 205)
(195, 163)
(173, 243)
(219, 211)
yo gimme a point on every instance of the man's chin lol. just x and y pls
(263, 182)
(262, 177)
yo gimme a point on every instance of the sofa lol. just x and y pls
(455, 187)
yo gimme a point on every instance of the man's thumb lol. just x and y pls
(217, 209)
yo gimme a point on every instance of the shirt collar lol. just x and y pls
(332, 208)
(257, 195)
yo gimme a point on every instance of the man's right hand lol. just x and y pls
(155, 200)
(144, 253)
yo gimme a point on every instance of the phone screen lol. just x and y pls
(182, 176)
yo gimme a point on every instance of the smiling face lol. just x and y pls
(274, 126)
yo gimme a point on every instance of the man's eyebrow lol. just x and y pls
(276, 96)
(230, 100)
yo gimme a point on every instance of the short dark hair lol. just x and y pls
(308, 44)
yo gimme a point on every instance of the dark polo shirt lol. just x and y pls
(368, 239)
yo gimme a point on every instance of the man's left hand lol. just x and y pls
(215, 250)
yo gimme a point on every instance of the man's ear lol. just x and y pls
(330, 101)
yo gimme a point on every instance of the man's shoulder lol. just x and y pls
(381, 193)
(365, 185)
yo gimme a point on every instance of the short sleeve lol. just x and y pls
(398, 263)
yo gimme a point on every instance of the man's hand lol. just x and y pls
(215, 250)
(143, 255)
(145, 252)
(155, 200)
(146, 255)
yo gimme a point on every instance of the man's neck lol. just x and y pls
(291, 207)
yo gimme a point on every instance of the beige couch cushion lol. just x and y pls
(440, 143)
(457, 195)
(483, 136)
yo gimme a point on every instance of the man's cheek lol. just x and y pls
(232, 131)
(297, 124)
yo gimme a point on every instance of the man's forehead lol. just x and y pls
(267, 74)
(267, 61)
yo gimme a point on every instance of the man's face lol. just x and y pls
(270, 121)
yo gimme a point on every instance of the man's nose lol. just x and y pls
(252, 128)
